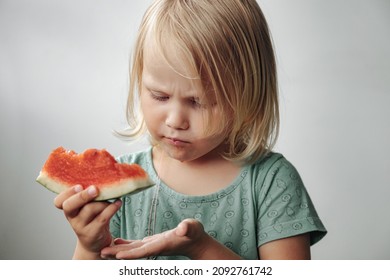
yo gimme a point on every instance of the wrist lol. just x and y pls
(199, 248)
(81, 253)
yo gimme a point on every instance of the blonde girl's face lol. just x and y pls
(174, 108)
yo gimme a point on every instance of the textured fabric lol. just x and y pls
(267, 201)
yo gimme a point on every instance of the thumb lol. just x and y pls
(190, 228)
(118, 241)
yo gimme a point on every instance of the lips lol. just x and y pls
(176, 141)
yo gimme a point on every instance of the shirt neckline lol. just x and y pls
(194, 198)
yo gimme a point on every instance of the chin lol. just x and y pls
(176, 153)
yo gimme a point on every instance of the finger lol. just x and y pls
(73, 204)
(119, 241)
(182, 229)
(113, 250)
(61, 197)
(96, 215)
(144, 248)
(190, 228)
(106, 214)
(90, 211)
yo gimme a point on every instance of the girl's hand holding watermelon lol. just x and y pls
(89, 220)
(188, 239)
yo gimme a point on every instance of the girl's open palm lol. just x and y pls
(187, 239)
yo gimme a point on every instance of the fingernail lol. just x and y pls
(78, 188)
(92, 191)
(118, 202)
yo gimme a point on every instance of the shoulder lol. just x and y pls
(274, 175)
(272, 161)
(139, 157)
(273, 168)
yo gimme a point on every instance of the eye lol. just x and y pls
(158, 96)
(196, 103)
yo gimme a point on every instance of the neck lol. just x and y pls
(199, 177)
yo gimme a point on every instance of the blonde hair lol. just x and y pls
(227, 42)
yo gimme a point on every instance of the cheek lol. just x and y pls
(148, 110)
(147, 103)
(143, 104)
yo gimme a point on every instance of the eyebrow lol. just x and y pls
(150, 84)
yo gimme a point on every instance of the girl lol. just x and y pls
(203, 85)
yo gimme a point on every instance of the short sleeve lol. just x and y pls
(285, 208)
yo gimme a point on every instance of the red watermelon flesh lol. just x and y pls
(64, 169)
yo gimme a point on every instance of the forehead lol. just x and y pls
(155, 57)
(167, 50)
(166, 67)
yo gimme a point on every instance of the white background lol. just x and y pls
(64, 79)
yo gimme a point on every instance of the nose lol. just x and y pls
(177, 118)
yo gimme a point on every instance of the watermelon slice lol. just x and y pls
(64, 169)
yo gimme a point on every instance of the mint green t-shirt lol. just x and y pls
(267, 201)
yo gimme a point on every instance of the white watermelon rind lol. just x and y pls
(106, 192)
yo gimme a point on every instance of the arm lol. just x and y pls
(292, 248)
(189, 239)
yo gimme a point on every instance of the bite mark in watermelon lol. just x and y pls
(64, 169)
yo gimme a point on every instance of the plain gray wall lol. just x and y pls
(64, 79)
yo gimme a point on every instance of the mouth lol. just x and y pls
(176, 141)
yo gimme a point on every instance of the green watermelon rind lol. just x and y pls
(106, 192)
